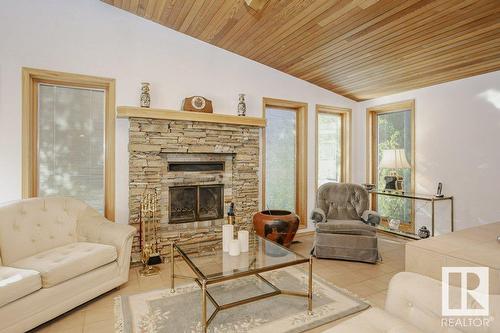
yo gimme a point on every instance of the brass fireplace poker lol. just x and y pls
(150, 254)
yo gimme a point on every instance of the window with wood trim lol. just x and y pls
(332, 144)
(285, 157)
(68, 137)
(391, 131)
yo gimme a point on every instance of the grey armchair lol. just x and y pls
(345, 228)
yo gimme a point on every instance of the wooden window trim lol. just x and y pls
(371, 138)
(30, 79)
(346, 132)
(301, 152)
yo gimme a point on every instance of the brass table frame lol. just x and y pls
(422, 197)
(204, 281)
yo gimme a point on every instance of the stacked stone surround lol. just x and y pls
(154, 142)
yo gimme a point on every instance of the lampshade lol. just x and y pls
(394, 159)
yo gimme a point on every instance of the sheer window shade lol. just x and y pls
(329, 147)
(71, 143)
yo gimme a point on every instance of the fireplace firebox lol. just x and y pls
(196, 203)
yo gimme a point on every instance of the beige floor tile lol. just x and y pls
(95, 315)
(75, 329)
(103, 326)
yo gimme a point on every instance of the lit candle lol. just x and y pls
(243, 239)
(234, 248)
(227, 236)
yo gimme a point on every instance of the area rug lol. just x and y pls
(163, 311)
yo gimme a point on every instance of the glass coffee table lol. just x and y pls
(217, 266)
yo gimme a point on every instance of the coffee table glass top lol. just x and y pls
(215, 264)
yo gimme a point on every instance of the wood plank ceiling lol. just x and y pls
(361, 49)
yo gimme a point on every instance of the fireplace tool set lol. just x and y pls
(149, 221)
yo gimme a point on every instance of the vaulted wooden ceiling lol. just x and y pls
(361, 49)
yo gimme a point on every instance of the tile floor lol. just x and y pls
(365, 280)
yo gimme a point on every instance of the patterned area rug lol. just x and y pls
(163, 311)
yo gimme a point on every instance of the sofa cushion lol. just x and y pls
(350, 227)
(65, 262)
(30, 226)
(16, 283)
(374, 320)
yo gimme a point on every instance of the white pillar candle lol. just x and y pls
(227, 236)
(243, 239)
(234, 248)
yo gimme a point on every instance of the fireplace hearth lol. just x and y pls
(196, 203)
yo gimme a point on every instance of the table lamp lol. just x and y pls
(394, 159)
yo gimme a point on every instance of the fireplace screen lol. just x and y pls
(196, 203)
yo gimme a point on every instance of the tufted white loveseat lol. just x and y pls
(55, 254)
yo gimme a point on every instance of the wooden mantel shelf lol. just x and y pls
(137, 112)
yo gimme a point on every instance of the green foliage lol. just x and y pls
(394, 132)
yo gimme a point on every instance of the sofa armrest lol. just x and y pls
(371, 217)
(97, 229)
(318, 215)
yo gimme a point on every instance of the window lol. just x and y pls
(68, 129)
(285, 171)
(332, 144)
(392, 131)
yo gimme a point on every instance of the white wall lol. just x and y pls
(92, 38)
(457, 143)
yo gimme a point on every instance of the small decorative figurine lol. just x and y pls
(423, 232)
(230, 214)
(242, 107)
(145, 97)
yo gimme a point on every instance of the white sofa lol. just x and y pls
(413, 305)
(55, 254)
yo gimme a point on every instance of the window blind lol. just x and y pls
(71, 143)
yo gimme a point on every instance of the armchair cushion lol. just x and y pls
(342, 201)
(349, 227)
(68, 261)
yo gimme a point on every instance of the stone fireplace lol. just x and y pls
(197, 168)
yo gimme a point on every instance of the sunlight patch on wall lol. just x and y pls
(492, 96)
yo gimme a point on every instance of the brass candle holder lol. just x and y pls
(149, 221)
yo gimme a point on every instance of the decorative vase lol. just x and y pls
(423, 232)
(145, 97)
(279, 226)
(394, 224)
(242, 107)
